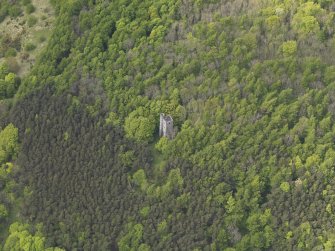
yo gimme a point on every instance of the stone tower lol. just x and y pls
(166, 126)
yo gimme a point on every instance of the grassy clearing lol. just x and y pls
(31, 31)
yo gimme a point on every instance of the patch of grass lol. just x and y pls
(26, 2)
(32, 20)
(13, 65)
(30, 47)
(11, 52)
(40, 36)
(42, 39)
(24, 55)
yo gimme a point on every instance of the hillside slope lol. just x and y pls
(250, 86)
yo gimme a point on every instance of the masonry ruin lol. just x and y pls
(166, 126)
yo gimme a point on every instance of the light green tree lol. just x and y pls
(289, 48)
(20, 238)
(139, 128)
(8, 142)
(131, 241)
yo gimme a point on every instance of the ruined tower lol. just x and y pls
(166, 126)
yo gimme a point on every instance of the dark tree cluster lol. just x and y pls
(74, 165)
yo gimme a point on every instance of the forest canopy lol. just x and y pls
(250, 86)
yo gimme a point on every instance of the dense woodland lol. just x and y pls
(250, 86)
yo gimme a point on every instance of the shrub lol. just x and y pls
(3, 211)
(30, 8)
(13, 65)
(11, 52)
(3, 14)
(26, 2)
(31, 21)
(14, 11)
(30, 47)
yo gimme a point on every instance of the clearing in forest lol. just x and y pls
(22, 38)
